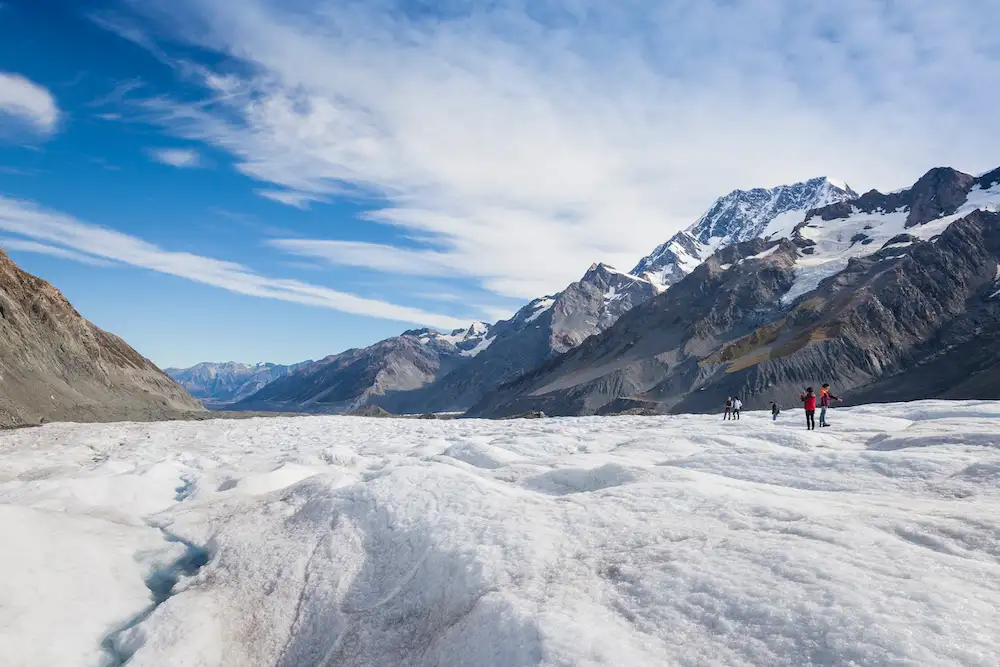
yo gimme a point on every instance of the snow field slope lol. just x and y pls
(678, 540)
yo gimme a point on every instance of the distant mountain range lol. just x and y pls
(57, 366)
(358, 377)
(455, 371)
(887, 296)
(221, 384)
(426, 371)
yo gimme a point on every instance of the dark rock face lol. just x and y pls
(887, 327)
(57, 366)
(533, 414)
(989, 179)
(938, 192)
(900, 239)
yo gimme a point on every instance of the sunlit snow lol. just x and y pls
(595, 541)
(480, 346)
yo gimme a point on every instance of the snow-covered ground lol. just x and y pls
(598, 541)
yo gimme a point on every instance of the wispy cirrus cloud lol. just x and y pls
(28, 102)
(388, 259)
(117, 96)
(182, 158)
(290, 197)
(527, 140)
(52, 233)
(8, 243)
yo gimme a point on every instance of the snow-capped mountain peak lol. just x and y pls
(739, 216)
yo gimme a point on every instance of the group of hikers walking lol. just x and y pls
(809, 400)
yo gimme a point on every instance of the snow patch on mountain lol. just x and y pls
(483, 343)
(838, 183)
(761, 255)
(540, 307)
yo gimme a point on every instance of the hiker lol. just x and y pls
(729, 408)
(774, 411)
(737, 404)
(825, 397)
(809, 403)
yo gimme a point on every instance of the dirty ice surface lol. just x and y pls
(596, 541)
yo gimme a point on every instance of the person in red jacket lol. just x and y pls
(809, 403)
(825, 397)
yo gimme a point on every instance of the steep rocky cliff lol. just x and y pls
(57, 366)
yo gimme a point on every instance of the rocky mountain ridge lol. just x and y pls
(57, 366)
(541, 330)
(553, 324)
(355, 378)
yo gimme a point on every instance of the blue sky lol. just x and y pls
(265, 180)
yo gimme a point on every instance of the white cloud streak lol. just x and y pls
(34, 247)
(528, 140)
(60, 235)
(300, 200)
(388, 259)
(28, 102)
(177, 157)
